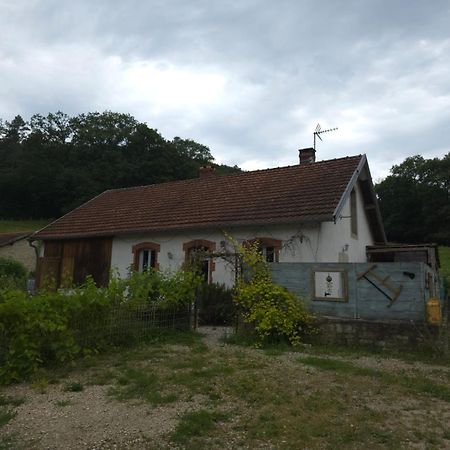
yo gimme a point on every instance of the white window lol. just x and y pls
(145, 256)
(147, 259)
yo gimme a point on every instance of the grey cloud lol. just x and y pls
(376, 69)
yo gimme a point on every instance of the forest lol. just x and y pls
(52, 164)
(415, 201)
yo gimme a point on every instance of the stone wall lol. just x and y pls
(20, 251)
(374, 334)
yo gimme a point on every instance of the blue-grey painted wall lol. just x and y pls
(364, 300)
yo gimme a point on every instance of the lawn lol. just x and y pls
(190, 392)
(444, 257)
(10, 226)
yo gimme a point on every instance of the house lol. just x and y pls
(311, 212)
(17, 247)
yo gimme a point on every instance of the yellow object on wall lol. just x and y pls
(434, 316)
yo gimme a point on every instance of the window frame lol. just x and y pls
(263, 244)
(143, 246)
(205, 245)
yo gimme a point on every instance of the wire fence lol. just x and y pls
(126, 325)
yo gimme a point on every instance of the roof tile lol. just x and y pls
(286, 194)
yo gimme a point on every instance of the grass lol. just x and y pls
(422, 353)
(444, 257)
(63, 403)
(194, 425)
(418, 385)
(12, 401)
(9, 441)
(273, 403)
(11, 226)
(73, 387)
(139, 385)
(6, 415)
(265, 399)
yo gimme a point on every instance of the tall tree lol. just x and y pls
(415, 200)
(53, 163)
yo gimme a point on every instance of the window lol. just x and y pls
(269, 247)
(201, 247)
(145, 256)
(269, 253)
(353, 214)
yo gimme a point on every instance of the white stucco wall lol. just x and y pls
(335, 236)
(325, 242)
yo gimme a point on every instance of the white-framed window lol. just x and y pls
(147, 259)
(145, 256)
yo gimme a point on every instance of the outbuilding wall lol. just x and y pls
(364, 300)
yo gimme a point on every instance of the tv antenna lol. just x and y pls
(319, 131)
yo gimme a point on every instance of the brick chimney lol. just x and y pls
(307, 155)
(206, 172)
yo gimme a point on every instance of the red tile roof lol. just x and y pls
(301, 193)
(10, 238)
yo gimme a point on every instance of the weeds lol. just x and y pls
(12, 401)
(11, 441)
(73, 387)
(141, 385)
(6, 415)
(419, 385)
(196, 424)
(63, 403)
(274, 402)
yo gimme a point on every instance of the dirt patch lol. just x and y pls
(269, 401)
(89, 419)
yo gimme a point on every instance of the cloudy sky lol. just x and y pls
(248, 78)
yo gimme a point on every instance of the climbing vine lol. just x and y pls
(275, 312)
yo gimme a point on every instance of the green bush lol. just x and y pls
(275, 313)
(56, 327)
(215, 305)
(13, 274)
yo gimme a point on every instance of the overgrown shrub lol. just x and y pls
(56, 327)
(275, 313)
(13, 274)
(215, 305)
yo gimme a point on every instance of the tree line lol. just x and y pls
(415, 200)
(52, 164)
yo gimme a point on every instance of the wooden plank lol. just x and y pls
(53, 248)
(48, 273)
(67, 268)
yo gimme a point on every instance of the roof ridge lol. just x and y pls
(227, 175)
